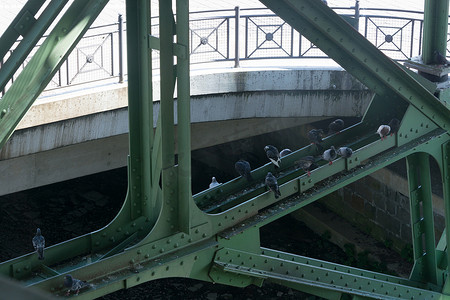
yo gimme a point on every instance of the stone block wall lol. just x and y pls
(379, 210)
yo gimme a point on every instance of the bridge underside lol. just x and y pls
(214, 235)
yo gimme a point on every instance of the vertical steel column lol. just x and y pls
(166, 114)
(435, 27)
(422, 222)
(446, 194)
(140, 108)
(184, 117)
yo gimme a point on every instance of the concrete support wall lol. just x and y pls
(379, 205)
(85, 131)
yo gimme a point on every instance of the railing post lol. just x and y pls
(237, 17)
(357, 15)
(120, 28)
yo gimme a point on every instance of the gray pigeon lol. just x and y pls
(285, 152)
(39, 244)
(271, 183)
(330, 155)
(315, 136)
(213, 182)
(394, 124)
(273, 154)
(336, 126)
(243, 168)
(383, 131)
(439, 58)
(74, 285)
(345, 152)
(307, 163)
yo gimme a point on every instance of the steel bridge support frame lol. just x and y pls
(422, 220)
(160, 232)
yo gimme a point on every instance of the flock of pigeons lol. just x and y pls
(73, 285)
(307, 163)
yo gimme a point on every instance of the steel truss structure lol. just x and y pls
(163, 231)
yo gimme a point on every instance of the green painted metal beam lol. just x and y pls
(445, 158)
(10, 36)
(32, 31)
(435, 28)
(304, 273)
(169, 173)
(422, 219)
(142, 177)
(358, 56)
(314, 190)
(45, 63)
(185, 201)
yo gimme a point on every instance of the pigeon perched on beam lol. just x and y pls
(336, 126)
(272, 184)
(383, 131)
(439, 58)
(330, 155)
(39, 244)
(243, 168)
(394, 125)
(285, 152)
(307, 163)
(315, 136)
(345, 152)
(273, 154)
(74, 285)
(213, 182)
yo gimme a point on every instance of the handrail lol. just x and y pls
(214, 34)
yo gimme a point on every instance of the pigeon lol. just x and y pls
(383, 131)
(329, 155)
(243, 168)
(273, 154)
(271, 183)
(74, 285)
(345, 152)
(307, 163)
(439, 58)
(325, 2)
(394, 124)
(336, 126)
(39, 244)
(285, 152)
(314, 136)
(214, 183)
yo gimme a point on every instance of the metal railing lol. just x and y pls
(237, 35)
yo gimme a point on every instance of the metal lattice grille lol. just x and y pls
(209, 39)
(268, 36)
(91, 59)
(397, 38)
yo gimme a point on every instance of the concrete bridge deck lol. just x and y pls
(84, 132)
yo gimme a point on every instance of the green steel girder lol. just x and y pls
(435, 29)
(308, 195)
(232, 219)
(45, 63)
(10, 36)
(135, 267)
(445, 167)
(358, 56)
(304, 273)
(31, 30)
(422, 219)
(160, 232)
